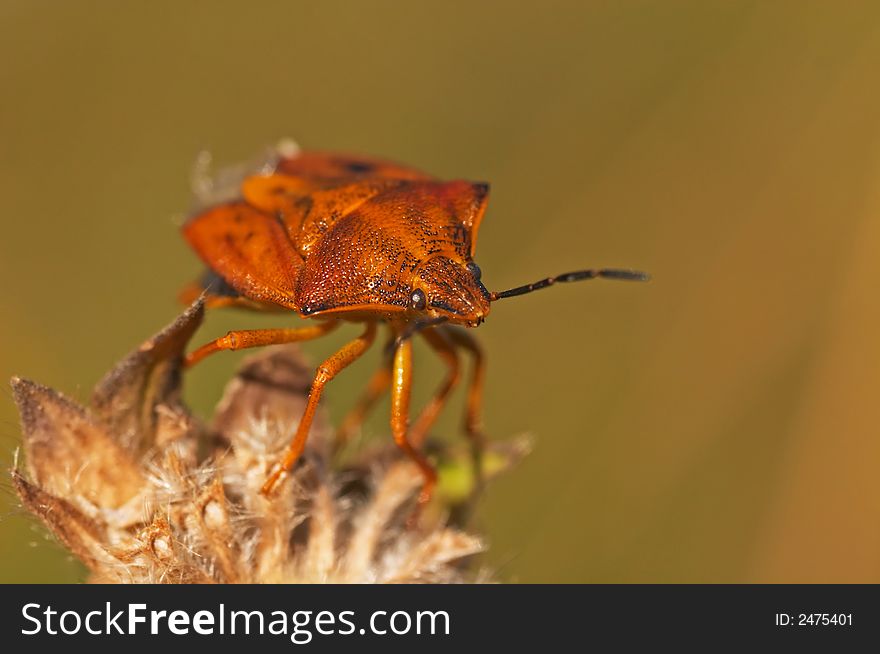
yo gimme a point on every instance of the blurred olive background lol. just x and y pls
(717, 425)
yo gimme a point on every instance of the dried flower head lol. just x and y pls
(140, 491)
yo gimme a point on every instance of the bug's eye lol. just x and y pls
(475, 270)
(417, 300)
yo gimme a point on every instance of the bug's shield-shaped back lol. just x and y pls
(371, 258)
(331, 232)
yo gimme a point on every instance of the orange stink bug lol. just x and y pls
(337, 238)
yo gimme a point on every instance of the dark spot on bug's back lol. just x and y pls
(357, 167)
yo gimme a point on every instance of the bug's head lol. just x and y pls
(451, 291)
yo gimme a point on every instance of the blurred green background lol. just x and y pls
(717, 425)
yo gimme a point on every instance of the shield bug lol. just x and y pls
(338, 238)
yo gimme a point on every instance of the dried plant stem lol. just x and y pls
(142, 492)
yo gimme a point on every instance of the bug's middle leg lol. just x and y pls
(343, 357)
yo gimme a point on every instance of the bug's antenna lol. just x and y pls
(577, 276)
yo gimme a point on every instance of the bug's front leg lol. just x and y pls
(337, 362)
(401, 387)
(239, 340)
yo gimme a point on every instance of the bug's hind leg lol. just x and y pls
(376, 387)
(338, 361)
(444, 348)
(401, 387)
(473, 420)
(239, 340)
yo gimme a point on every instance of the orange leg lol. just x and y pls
(473, 421)
(401, 386)
(441, 344)
(378, 384)
(239, 340)
(346, 355)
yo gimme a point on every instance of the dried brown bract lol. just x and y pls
(142, 492)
